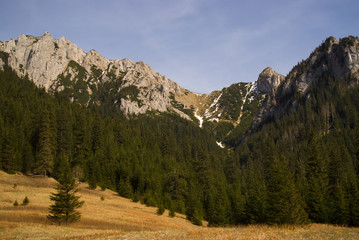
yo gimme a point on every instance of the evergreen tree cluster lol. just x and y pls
(297, 169)
(304, 166)
(158, 159)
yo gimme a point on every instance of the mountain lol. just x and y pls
(90, 79)
(292, 140)
(135, 88)
(59, 66)
(332, 59)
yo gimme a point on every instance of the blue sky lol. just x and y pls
(204, 45)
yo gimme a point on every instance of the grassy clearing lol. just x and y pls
(120, 218)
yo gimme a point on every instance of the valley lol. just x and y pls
(278, 151)
(120, 218)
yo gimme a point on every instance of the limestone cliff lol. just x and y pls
(58, 64)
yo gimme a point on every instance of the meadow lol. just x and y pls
(106, 215)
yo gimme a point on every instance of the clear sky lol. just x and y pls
(204, 45)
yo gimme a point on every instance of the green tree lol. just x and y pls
(256, 202)
(45, 157)
(8, 157)
(285, 205)
(218, 208)
(194, 207)
(317, 193)
(66, 203)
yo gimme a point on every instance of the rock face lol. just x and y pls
(47, 61)
(269, 80)
(336, 59)
(332, 59)
(43, 59)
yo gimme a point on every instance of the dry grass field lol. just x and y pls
(120, 218)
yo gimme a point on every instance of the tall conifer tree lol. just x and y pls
(66, 203)
(45, 157)
(285, 205)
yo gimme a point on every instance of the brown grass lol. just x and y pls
(120, 218)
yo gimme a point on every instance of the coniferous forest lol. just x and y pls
(300, 168)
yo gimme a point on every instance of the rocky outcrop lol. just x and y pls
(332, 59)
(41, 58)
(337, 59)
(269, 80)
(45, 59)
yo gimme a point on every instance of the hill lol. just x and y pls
(120, 218)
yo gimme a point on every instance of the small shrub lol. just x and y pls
(92, 185)
(160, 210)
(197, 221)
(14, 187)
(102, 198)
(172, 213)
(135, 198)
(25, 201)
(16, 203)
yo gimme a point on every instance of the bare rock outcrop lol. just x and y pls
(269, 80)
(45, 59)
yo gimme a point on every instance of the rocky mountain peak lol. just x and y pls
(269, 80)
(58, 64)
(336, 58)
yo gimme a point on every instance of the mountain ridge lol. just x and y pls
(45, 59)
(135, 88)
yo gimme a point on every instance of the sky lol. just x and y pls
(203, 45)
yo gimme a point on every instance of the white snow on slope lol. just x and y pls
(208, 114)
(199, 118)
(220, 144)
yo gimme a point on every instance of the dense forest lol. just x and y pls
(298, 169)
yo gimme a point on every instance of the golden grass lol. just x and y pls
(120, 218)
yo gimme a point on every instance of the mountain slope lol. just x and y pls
(134, 88)
(59, 66)
(230, 114)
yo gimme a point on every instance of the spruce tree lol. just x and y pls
(218, 208)
(285, 205)
(8, 158)
(66, 203)
(45, 157)
(318, 184)
(193, 207)
(256, 202)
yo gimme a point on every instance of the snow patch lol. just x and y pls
(208, 114)
(251, 99)
(214, 120)
(220, 144)
(199, 118)
(253, 88)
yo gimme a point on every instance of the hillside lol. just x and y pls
(60, 67)
(291, 156)
(119, 218)
(230, 114)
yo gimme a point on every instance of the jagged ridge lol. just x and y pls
(90, 79)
